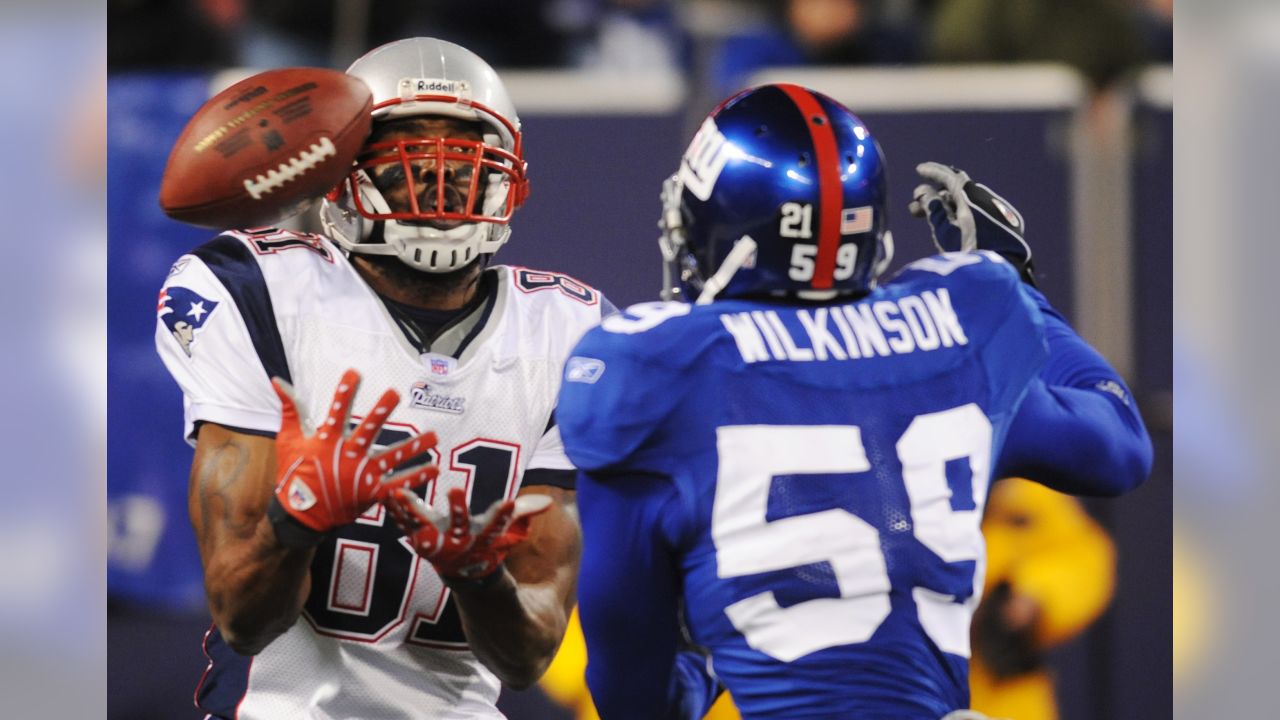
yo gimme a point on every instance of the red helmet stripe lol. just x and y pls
(830, 191)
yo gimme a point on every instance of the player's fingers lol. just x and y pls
(340, 406)
(945, 176)
(934, 172)
(405, 449)
(425, 538)
(367, 430)
(965, 225)
(940, 210)
(408, 479)
(290, 424)
(497, 519)
(354, 377)
(922, 199)
(923, 190)
(459, 513)
(516, 534)
(404, 507)
(398, 502)
(397, 514)
(284, 391)
(939, 173)
(518, 529)
(531, 504)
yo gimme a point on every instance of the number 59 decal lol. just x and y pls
(803, 256)
(749, 542)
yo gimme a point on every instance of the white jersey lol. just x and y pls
(379, 636)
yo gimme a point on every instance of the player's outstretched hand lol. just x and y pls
(457, 544)
(965, 215)
(326, 478)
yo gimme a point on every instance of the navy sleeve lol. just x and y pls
(564, 479)
(1078, 429)
(628, 598)
(231, 261)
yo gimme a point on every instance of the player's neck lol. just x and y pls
(391, 279)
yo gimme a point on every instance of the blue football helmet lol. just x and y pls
(781, 193)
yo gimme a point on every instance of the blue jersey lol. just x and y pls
(800, 487)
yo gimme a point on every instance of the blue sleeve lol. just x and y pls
(611, 400)
(628, 599)
(1015, 350)
(1078, 429)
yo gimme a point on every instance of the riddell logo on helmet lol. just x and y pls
(434, 85)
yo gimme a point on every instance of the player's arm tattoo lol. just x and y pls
(220, 471)
(254, 586)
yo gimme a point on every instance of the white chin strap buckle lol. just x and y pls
(743, 251)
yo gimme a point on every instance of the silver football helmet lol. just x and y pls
(426, 77)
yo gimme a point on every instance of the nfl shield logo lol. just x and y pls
(439, 367)
(300, 496)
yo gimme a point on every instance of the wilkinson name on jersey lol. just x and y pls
(921, 322)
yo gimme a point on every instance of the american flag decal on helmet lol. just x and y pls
(856, 220)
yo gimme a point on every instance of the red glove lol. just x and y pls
(459, 545)
(326, 478)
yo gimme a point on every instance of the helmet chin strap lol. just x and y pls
(886, 245)
(742, 251)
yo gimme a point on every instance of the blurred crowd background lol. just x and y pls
(1064, 107)
(718, 41)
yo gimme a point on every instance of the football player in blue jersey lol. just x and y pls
(784, 465)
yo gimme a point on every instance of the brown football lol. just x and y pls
(260, 150)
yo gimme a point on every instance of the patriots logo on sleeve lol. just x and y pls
(184, 312)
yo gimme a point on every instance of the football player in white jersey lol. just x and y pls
(346, 579)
